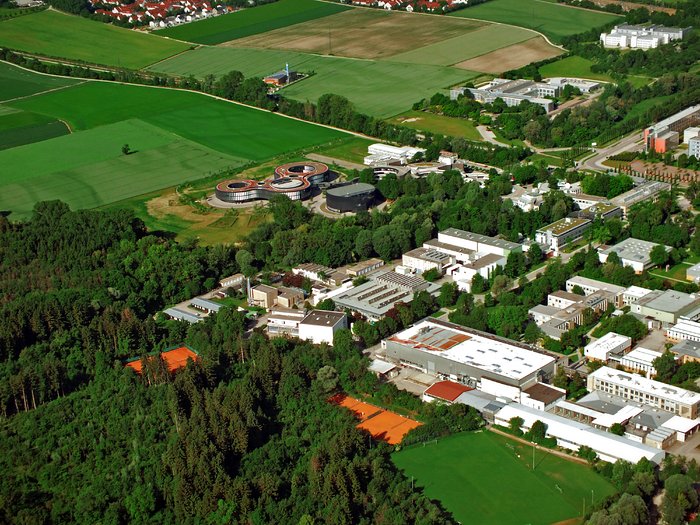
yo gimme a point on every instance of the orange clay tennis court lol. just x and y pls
(381, 424)
(175, 359)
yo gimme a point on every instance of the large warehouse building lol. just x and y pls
(294, 180)
(493, 364)
(353, 197)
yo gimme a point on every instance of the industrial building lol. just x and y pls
(295, 180)
(572, 435)
(647, 391)
(665, 134)
(610, 344)
(492, 364)
(512, 92)
(642, 37)
(364, 267)
(281, 78)
(386, 154)
(667, 306)
(424, 259)
(560, 233)
(377, 296)
(181, 315)
(353, 197)
(632, 252)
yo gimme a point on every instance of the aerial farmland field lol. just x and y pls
(16, 82)
(551, 19)
(377, 87)
(252, 21)
(488, 479)
(174, 136)
(55, 34)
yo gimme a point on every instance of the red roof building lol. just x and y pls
(445, 391)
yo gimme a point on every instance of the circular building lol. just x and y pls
(294, 180)
(358, 196)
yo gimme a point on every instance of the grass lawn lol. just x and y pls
(573, 66)
(488, 479)
(551, 160)
(56, 34)
(377, 87)
(675, 272)
(466, 46)
(424, 121)
(553, 20)
(353, 149)
(235, 130)
(16, 82)
(252, 21)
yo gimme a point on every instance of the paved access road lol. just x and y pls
(628, 143)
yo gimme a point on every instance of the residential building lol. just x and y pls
(647, 391)
(493, 364)
(573, 435)
(642, 37)
(632, 252)
(684, 330)
(319, 326)
(610, 344)
(641, 360)
(560, 233)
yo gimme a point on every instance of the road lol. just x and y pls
(628, 143)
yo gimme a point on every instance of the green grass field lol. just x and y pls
(423, 121)
(56, 34)
(481, 479)
(376, 87)
(177, 136)
(466, 46)
(21, 127)
(235, 130)
(16, 82)
(573, 66)
(252, 21)
(551, 19)
(353, 149)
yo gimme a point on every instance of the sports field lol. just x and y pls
(366, 33)
(553, 20)
(488, 479)
(57, 34)
(377, 87)
(16, 82)
(253, 21)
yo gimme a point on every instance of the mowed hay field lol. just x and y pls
(376, 87)
(16, 82)
(175, 136)
(551, 19)
(363, 33)
(56, 34)
(253, 21)
(488, 479)
(512, 57)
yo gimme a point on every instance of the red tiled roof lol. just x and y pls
(447, 390)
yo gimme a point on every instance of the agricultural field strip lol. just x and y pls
(363, 33)
(16, 82)
(469, 45)
(248, 22)
(52, 33)
(376, 87)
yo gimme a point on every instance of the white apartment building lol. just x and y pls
(646, 391)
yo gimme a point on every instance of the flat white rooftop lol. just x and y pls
(645, 385)
(687, 327)
(599, 348)
(636, 292)
(681, 424)
(489, 353)
(585, 282)
(642, 355)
